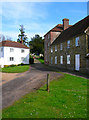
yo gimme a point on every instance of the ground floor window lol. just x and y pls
(51, 60)
(61, 59)
(22, 58)
(11, 58)
(77, 62)
(68, 59)
(55, 59)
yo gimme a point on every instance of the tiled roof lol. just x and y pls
(57, 28)
(74, 30)
(12, 44)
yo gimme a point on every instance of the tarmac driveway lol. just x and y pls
(15, 85)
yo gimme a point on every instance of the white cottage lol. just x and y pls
(13, 53)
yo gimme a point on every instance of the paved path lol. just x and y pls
(13, 89)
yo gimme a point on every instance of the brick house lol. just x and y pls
(51, 35)
(70, 50)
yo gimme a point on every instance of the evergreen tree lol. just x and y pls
(22, 38)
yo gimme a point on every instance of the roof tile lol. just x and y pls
(12, 44)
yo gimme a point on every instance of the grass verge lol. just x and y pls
(67, 99)
(16, 69)
(41, 60)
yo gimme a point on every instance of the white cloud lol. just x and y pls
(20, 11)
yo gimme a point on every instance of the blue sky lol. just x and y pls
(39, 17)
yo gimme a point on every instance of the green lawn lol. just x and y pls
(16, 69)
(41, 60)
(67, 99)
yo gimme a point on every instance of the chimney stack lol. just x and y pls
(65, 23)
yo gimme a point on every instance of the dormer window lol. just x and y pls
(61, 46)
(68, 44)
(55, 47)
(77, 41)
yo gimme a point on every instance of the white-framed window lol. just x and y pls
(51, 49)
(77, 41)
(61, 46)
(55, 59)
(55, 47)
(68, 44)
(11, 58)
(68, 59)
(22, 51)
(11, 49)
(51, 60)
(22, 58)
(61, 59)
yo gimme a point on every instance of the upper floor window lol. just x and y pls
(77, 41)
(61, 59)
(61, 46)
(55, 47)
(11, 49)
(51, 49)
(68, 44)
(11, 58)
(22, 51)
(55, 59)
(48, 36)
(68, 59)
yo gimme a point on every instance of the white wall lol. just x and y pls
(5, 58)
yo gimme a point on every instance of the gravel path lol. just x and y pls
(15, 85)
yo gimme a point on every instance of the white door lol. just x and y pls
(77, 62)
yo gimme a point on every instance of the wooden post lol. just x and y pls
(48, 82)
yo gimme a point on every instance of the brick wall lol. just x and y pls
(82, 49)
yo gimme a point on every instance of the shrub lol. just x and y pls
(12, 65)
(22, 64)
(31, 60)
(42, 57)
(6, 66)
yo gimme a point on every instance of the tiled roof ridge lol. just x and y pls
(82, 23)
(54, 28)
(58, 25)
(11, 45)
